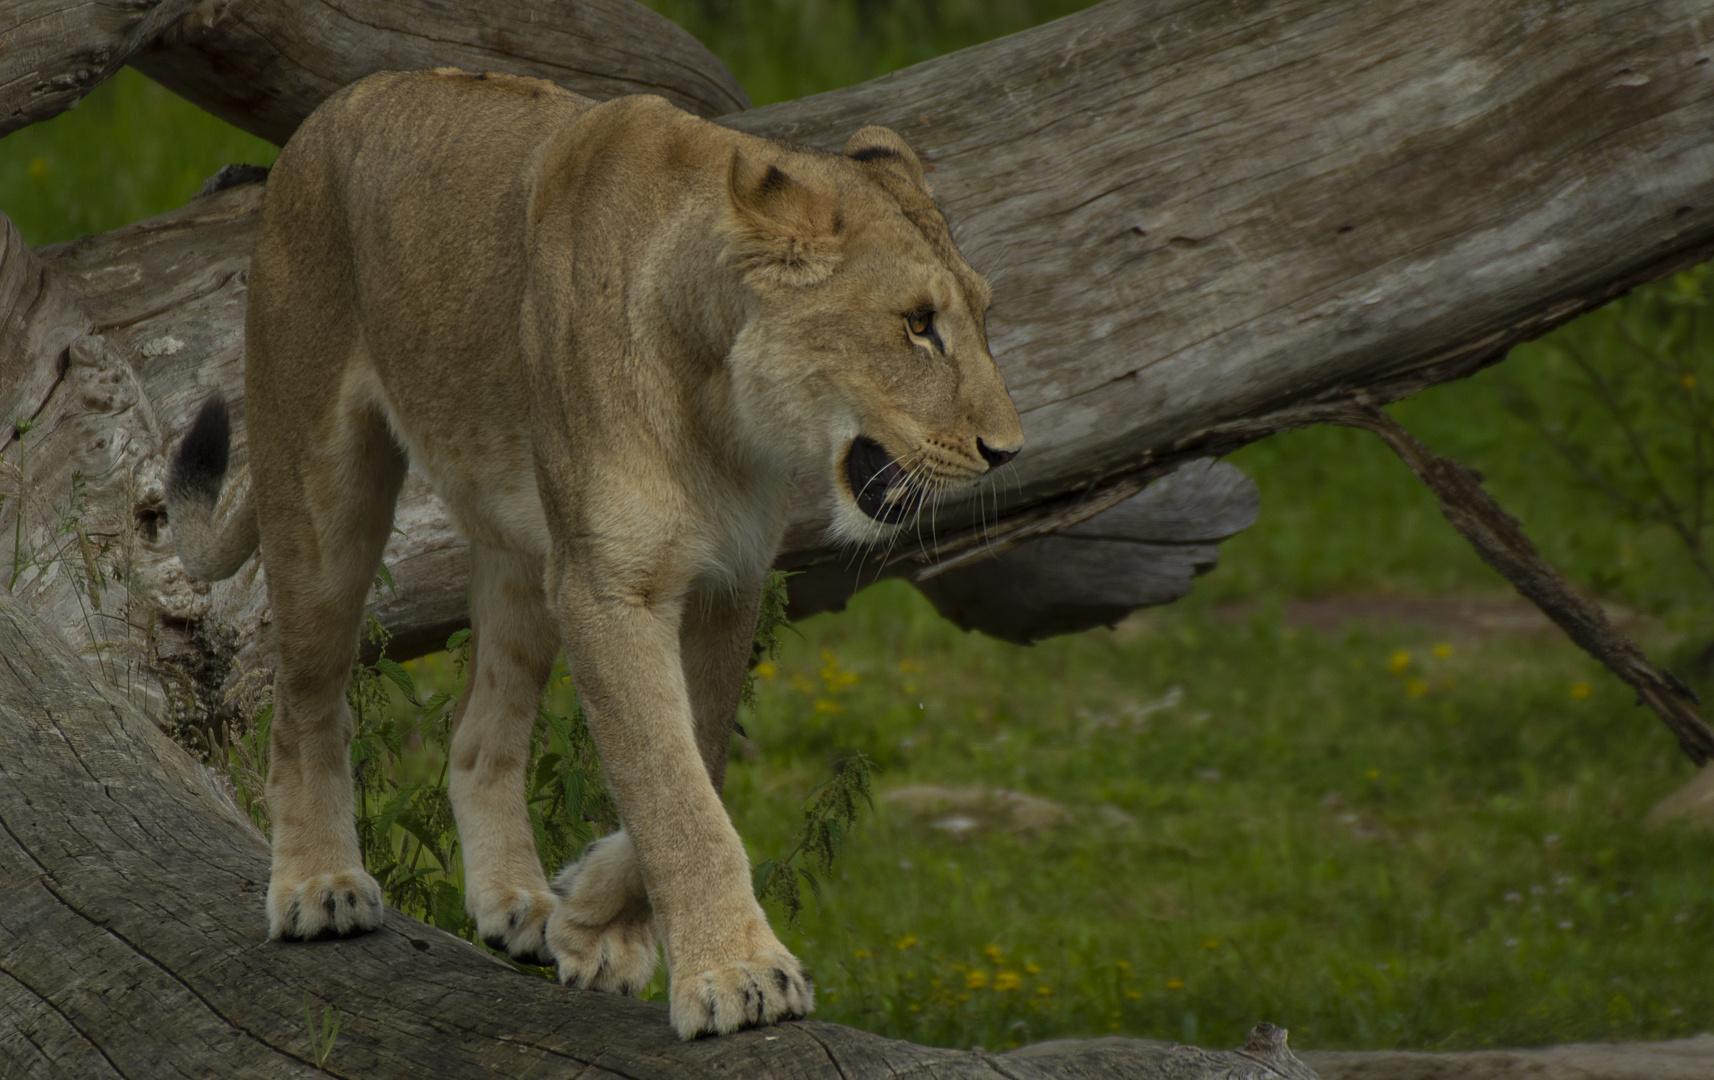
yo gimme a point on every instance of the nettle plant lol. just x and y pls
(1624, 401)
(406, 827)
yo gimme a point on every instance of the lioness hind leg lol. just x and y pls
(514, 641)
(323, 527)
(603, 930)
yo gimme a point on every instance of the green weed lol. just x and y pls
(323, 1033)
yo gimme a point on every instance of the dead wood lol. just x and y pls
(131, 945)
(1678, 1059)
(264, 65)
(1202, 222)
(52, 52)
(1502, 544)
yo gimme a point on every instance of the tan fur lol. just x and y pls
(607, 334)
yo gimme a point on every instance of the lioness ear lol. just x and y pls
(883, 147)
(782, 233)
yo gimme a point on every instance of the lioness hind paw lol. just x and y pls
(615, 958)
(515, 922)
(324, 906)
(765, 989)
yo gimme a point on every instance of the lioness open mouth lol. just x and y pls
(877, 482)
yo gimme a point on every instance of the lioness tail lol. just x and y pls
(209, 552)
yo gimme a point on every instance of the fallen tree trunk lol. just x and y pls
(52, 52)
(1201, 222)
(131, 945)
(264, 65)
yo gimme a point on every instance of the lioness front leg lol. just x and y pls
(602, 932)
(728, 969)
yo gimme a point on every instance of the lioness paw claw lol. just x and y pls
(324, 906)
(514, 921)
(765, 989)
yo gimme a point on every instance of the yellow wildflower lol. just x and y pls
(975, 980)
(994, 954)
(907, 667)
(1580, 691)
(1007, 980)
(1175, 984)
(1044, 991)
(1442, 651)
(907, 942)
(1032, 969)
(1415, 687)
(1373, 774)
(1688, 381)
(766, 669)
(861, 954)
(38, 168)
(1211, 943)
(826, 705)
(1398, 662)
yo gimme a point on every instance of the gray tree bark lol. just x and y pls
(264, 65)
(1203, 221)
(131, 945)
(52, 52)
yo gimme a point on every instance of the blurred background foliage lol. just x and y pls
(1376, 835)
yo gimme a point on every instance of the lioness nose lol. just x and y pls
(994, 458)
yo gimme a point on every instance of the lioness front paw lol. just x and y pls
(515, 922)
(767, 988)
(324, 906)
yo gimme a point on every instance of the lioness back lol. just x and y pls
(397, 212)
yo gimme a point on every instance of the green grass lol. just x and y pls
(1314, 838)
(1326, 833)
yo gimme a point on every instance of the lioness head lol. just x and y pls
(866, 351)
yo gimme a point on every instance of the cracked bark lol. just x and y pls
(1292, 203)
(1295, 202)
(131, 944)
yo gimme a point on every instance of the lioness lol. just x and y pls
(607, 334)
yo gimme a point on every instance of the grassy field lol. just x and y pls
(1377, 837)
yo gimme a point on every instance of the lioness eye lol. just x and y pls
(920, 324)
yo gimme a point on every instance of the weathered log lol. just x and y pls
(130, 945)
(1200, 220)
(1678, 1059)
(52, 52)
(1144, 552)
(131, 927)
(264, 65)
